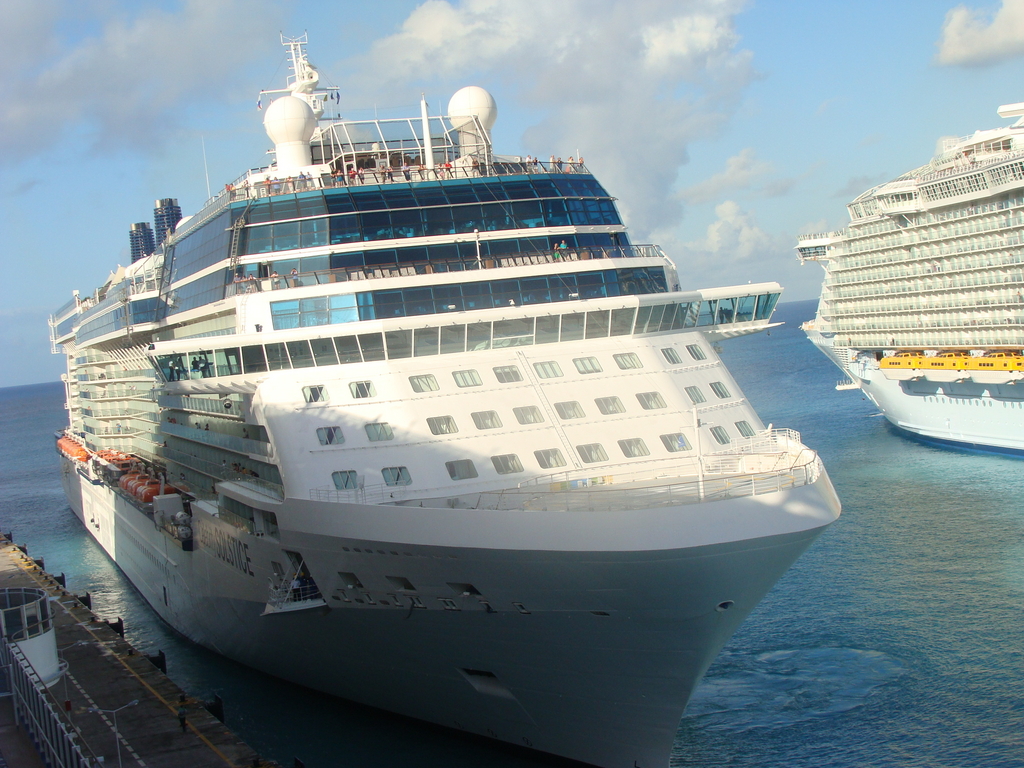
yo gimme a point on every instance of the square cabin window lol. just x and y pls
(720, 435)
(330, 435)
(548, 370)
(442, 425)
(633, 448)
(719, 389)
(362, 389)
(425, 383)
(486, 419)
(528, 414)
(592, 452)
(550, 458)
(587, 364)
(507, 464)
(345, 480)
(396, 476)
(379, 432)
(675, 442)
(651, 401)
(468, 378)
(461, 469)
(569, 410)
(745, 429)
(506, 374)
(696, 352)
(695, 395)
(609, 405)
(315, 394)
(672, 355)
(628, 360)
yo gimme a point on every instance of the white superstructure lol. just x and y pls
(922, 304)
(415, 424)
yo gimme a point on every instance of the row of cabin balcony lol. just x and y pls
(842, 262)
(970, 338)
(858, 231)
(118, 392)
(947, 321)
(228, 407)
(249, 439)
(925, 302)
(989, 248)
(890, 287)
(259, 476)
(929, 268)
(905, 248)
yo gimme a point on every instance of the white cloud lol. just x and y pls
(120, 74)
(629, 84)
(971, 37)
(735, 235)
(740, 172)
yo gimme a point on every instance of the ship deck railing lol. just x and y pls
(766, 463)
(434, 266)
(218, 439)
(243, 189)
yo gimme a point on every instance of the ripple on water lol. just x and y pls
(780, 688)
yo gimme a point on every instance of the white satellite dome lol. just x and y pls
(290, 122)
(289, 118)
(469, 102)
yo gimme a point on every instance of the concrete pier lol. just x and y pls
(105, 673)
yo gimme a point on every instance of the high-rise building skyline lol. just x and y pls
(166, 215)
(140, 236)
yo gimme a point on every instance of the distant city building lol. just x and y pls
(166, 216)
(141, 238)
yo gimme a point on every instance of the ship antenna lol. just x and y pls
(206, 168)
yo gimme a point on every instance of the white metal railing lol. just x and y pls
(765, 463)
(433, 266)
(202, 405)
(55, 740)
(219, 439)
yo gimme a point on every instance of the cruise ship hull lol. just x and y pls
(968, 414)
(596, 664)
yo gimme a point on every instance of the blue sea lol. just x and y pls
(896, 640)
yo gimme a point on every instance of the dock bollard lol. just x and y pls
(159, 660)
(215, 707)
(40, 563)
(117, 626)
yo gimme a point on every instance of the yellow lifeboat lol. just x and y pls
(1000, 367)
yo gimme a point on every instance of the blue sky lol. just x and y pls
(724, 127)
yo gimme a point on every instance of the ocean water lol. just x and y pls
(896, 640)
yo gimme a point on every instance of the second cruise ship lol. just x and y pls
(416, 424)
(922, 304)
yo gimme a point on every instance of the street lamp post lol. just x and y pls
(117, 736)
(64, 670)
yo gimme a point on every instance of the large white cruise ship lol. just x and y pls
(922, 304)
(415, 424)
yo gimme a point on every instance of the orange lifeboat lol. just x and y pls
(128, 478)
(135, 482)
(148, 492)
